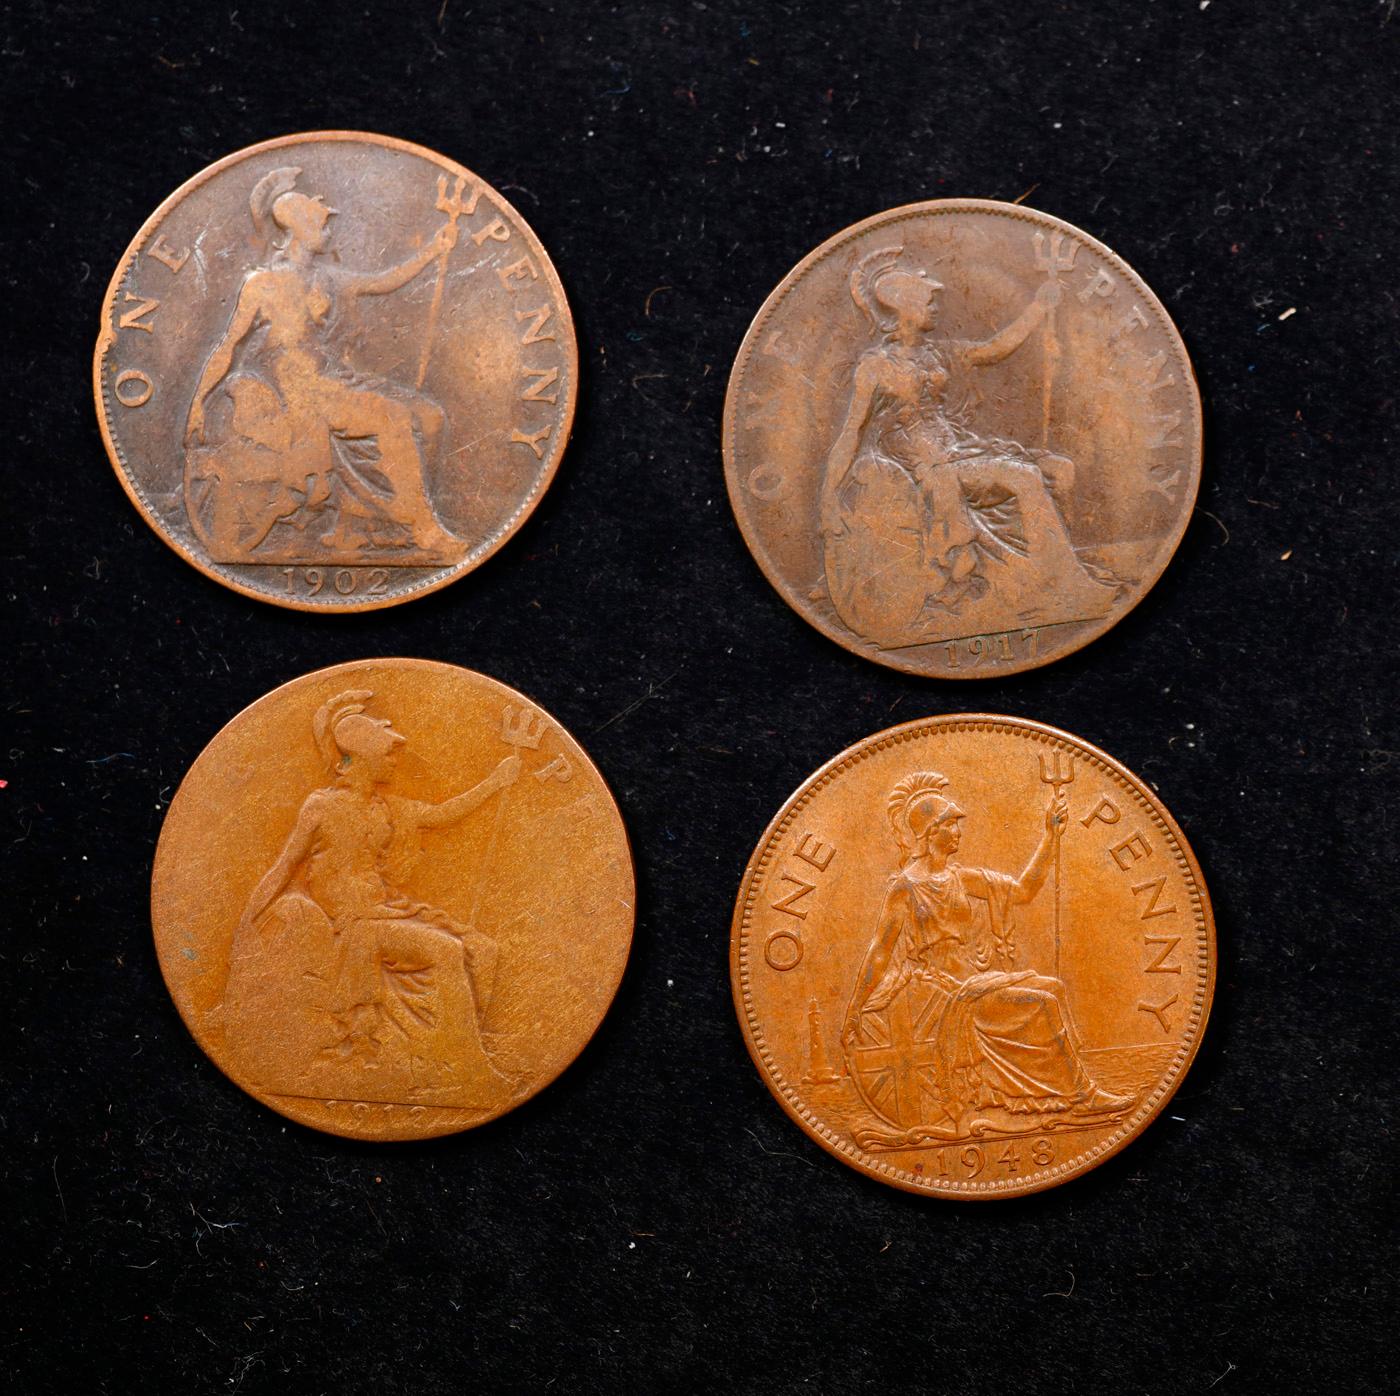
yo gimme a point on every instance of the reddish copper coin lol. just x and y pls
(973, 956)
(335, 371)
(962, 438)
(392, 899)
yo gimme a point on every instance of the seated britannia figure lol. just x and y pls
(931, 529)
(999, 1038)
(293, 453)
(341, 981)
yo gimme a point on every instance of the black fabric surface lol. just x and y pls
(652, 1221)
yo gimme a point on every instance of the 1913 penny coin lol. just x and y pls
(393, 899)
(973, 956)
(335, 371)
(962, 438)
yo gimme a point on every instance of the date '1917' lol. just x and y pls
(1001, 647)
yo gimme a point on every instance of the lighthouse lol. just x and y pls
(819, 1072)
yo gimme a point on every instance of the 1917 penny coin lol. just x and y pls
(392, 899)
(335, 371)
(973, 956)
(962, 438)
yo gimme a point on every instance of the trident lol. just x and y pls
(523, 729)
(454, 208)
(1052, 259)
(1057, 770)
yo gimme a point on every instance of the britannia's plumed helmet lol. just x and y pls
(266, 192)
(916, 805)
(330, 715)
(881, 266)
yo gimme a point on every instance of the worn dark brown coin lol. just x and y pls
(335, 371)
(962, 438)
(973, 956)
(392, 899)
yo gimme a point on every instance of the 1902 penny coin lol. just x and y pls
(973, 956)
(962, 438)
(335, 371)
(393, 899)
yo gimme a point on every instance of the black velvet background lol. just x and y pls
(652, 1221)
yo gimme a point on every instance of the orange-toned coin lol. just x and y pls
(973, 956)
(392, 899)
(335, 371)
(962, 438)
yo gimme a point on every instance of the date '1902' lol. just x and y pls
(344, 581)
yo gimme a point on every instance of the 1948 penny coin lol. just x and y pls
(335, 371)
(962, 438)
(973, 956)
(393, 899)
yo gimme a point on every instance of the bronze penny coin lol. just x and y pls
(973, 956)
(962, 438)
(392, 899)
(335, 371)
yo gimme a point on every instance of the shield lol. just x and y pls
(894, 1058)
(270, 486)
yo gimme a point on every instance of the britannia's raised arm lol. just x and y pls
(380, 283)
(1006, 341)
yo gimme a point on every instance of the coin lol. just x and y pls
(973, 956)
(962, 438)
(335, 371)
(392, 899)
